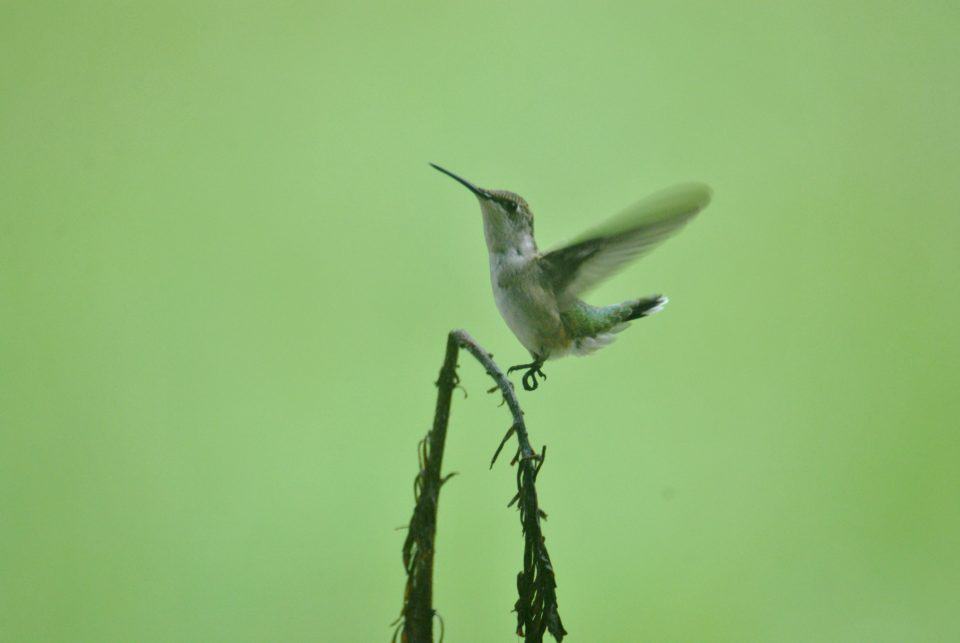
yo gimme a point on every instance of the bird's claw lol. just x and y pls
(529, 378)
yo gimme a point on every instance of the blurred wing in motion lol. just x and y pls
(601, 252)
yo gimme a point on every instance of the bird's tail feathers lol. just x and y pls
(647, 306)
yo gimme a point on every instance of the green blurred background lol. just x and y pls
(226, 273)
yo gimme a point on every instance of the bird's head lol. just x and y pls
(507, 219)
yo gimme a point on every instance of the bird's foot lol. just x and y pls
(529, 378)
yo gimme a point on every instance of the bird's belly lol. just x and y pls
(532, 315)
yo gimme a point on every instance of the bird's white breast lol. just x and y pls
(516, 317)
(523, 302)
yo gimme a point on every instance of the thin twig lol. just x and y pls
(536, 605)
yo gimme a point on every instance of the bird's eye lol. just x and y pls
(509, 206)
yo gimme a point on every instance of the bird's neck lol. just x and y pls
(509, 243)
(511, 255)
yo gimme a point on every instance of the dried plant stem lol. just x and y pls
(536, 605)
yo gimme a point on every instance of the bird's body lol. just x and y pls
(550, 326)
(537, 293)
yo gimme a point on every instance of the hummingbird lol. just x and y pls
(538, 293)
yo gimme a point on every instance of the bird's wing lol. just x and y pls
(599, 253)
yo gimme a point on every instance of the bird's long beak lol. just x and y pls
(467, 184)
